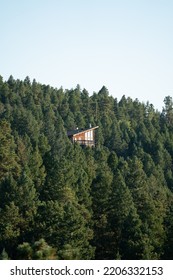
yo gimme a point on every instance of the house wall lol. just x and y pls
(84, 136)
(79, 137)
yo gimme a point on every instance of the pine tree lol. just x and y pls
(101, 189)
(125, 224)
(8, 158)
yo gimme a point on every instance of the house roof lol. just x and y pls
(79, 131)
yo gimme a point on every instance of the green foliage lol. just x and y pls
(61, 200)
(4, 255)
(40, 250)
(8, 158)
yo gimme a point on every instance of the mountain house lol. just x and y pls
(85, 137)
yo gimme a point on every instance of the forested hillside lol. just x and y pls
(59, 200)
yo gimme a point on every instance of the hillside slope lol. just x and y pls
(59, 200)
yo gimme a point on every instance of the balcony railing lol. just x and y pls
(89, 143)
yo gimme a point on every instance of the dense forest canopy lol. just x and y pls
(59, 200)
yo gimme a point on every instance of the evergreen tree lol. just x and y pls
(8, 158)
(125, 224)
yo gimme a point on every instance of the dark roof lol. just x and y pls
(78, 131)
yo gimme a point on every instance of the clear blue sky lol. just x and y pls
(126, 45)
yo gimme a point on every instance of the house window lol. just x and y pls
(89, 135)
